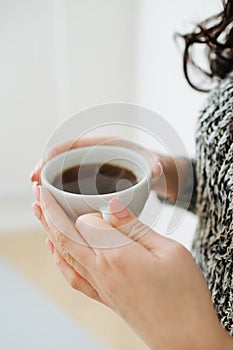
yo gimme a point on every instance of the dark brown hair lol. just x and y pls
(216, 35)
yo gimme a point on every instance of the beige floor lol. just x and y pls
(27, 253)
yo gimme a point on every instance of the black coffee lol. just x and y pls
(95, 179)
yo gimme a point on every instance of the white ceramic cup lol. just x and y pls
(77, 204)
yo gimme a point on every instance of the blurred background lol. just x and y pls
(59, 57)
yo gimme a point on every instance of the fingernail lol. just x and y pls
(118, 208)
(36, 192)
(36, 211)
(49, 246)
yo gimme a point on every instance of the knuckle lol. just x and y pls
(61, 240)
(68, 258)
(58, 263)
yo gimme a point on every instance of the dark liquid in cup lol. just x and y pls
(92, 179)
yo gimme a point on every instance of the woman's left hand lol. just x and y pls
(152, 281)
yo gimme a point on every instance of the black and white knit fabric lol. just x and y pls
(212, 199)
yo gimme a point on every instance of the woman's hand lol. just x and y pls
(152, 157)
(152, 281)
(165, 179)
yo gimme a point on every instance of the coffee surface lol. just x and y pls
(92, 179)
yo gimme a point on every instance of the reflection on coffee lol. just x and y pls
(92, 179)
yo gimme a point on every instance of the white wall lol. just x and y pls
(27, 92)
(98, 50)
(59, 56)
(160, 82)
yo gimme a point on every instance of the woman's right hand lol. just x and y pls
(152, 281)
(164, 173)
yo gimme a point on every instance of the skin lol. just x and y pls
(165, 170)
(152, 282)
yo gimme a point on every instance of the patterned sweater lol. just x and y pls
(212, 198)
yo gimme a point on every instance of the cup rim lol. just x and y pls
(44, 181)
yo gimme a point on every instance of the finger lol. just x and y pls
(56, 217)
(65, 146)
(70, 260)
(37, 210)
(35, 175)
(64, 233)
(72, 144)
(122, 218)
(100, 234)
(152, 157)
(157, 170)
(74, 278)
(36, 192)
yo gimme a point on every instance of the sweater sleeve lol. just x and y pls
(187, 195)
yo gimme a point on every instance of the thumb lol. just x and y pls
(124, 220)
(118, 213)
